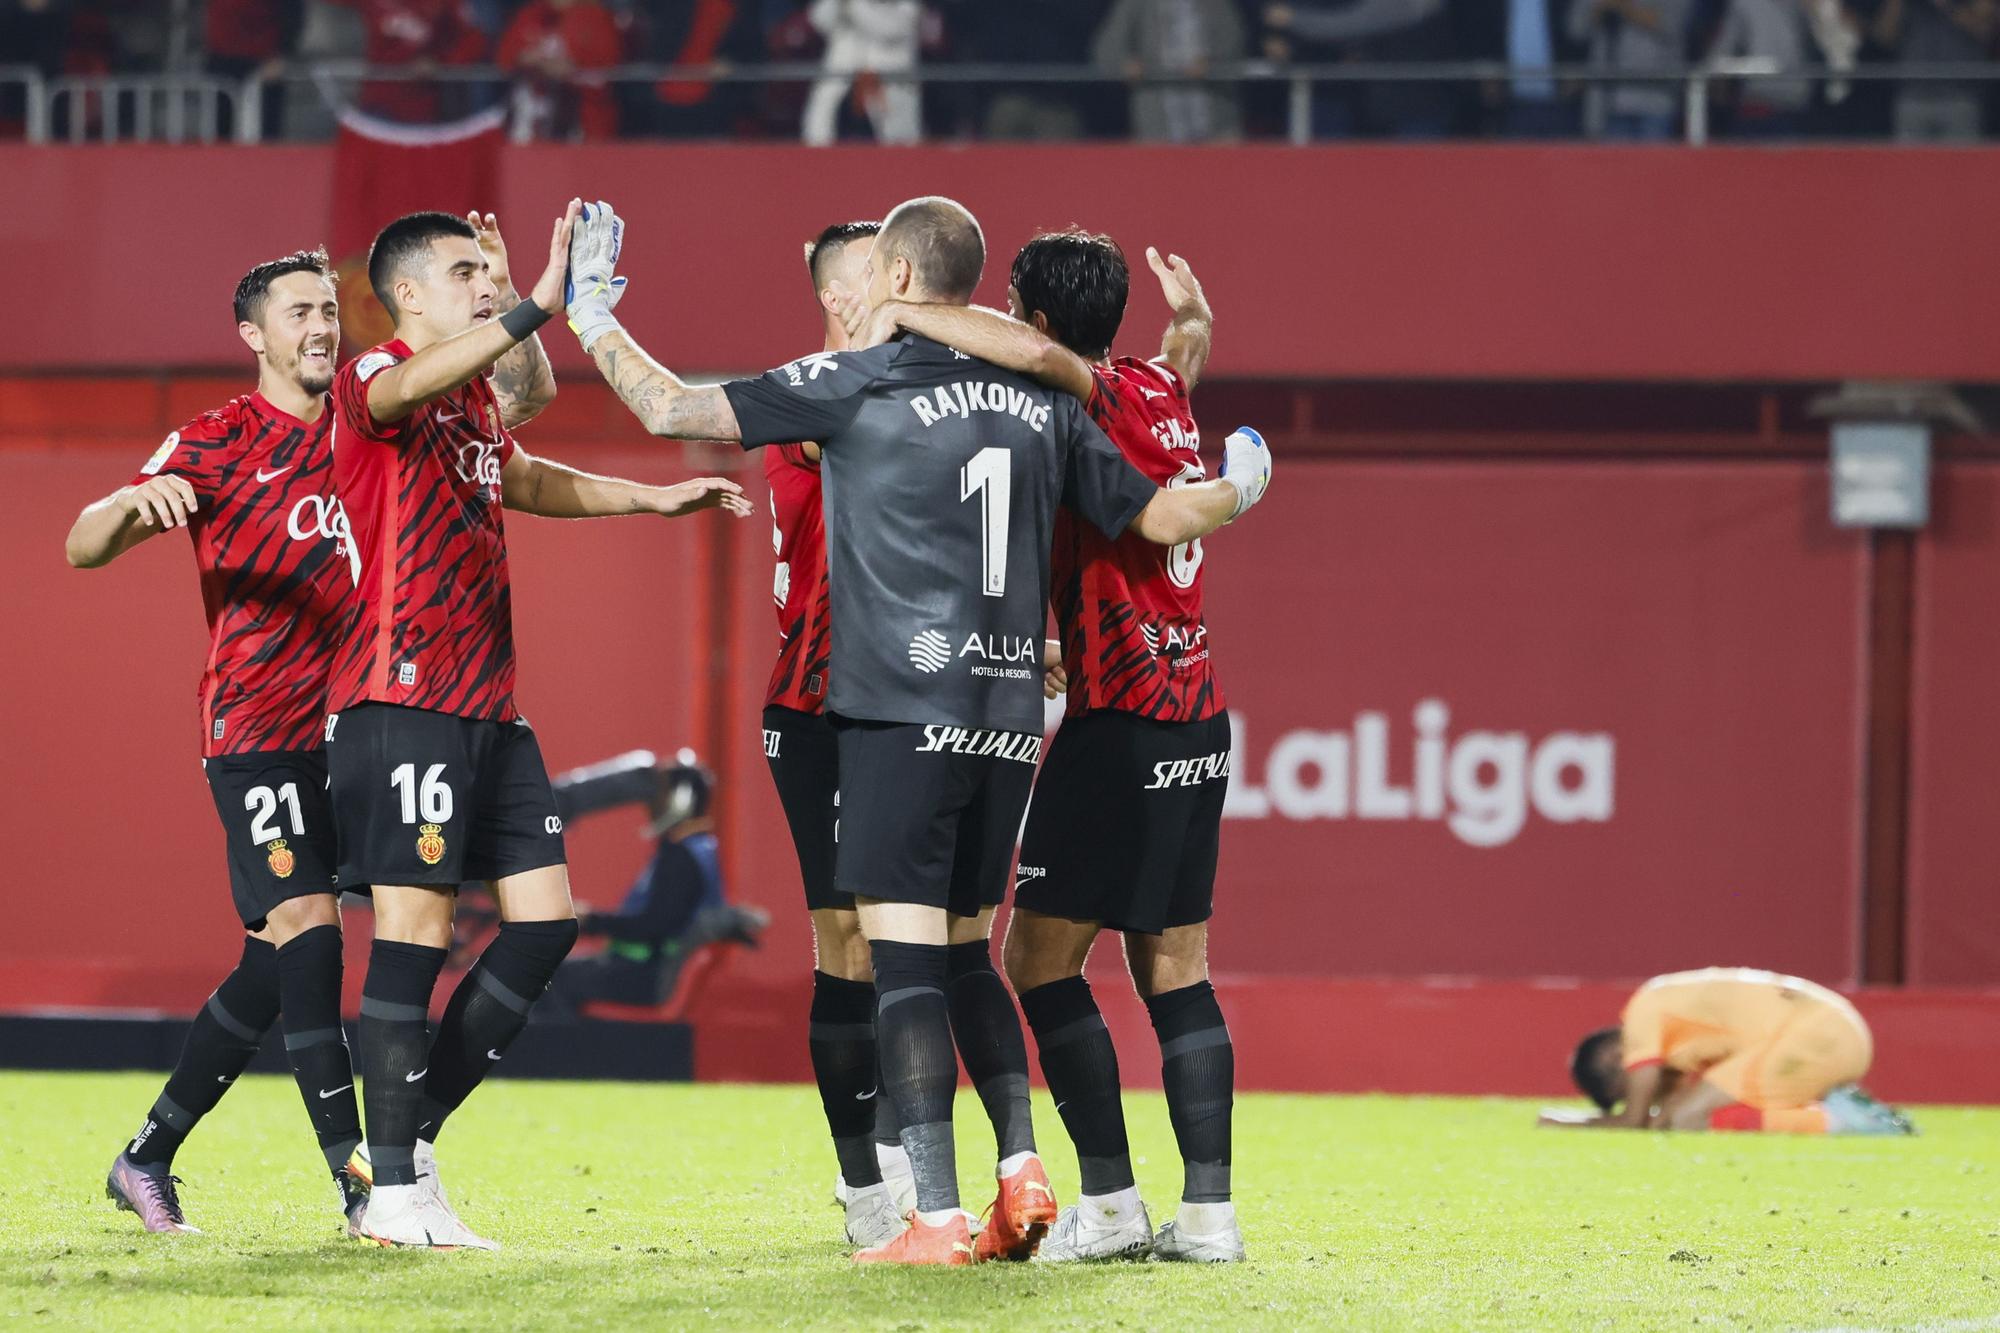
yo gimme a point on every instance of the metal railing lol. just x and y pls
(180, 108)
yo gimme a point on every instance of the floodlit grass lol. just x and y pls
(629, 1206)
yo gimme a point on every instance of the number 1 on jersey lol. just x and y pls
(989, 475)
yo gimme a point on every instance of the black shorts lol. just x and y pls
(929, 814)
(804, 756)
(1126, 822)
(421, 797)
(278, 825)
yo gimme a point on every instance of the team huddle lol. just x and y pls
(942, 477)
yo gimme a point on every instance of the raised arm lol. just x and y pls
(522, 379)
(108, 528)
(394, 393)
(1191, 331)
(538, 486)
(664, 403)
(984, 334)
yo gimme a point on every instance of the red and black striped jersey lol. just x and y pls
(799, 591)
(433, 625)
(272, 548)
(1130, 612)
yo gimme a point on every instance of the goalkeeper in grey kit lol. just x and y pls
(942, 478)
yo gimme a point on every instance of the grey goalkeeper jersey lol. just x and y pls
(941, 479)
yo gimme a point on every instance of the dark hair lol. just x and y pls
(1079, 280)
(407, 241)
(832, 241)
(1593, 1067)
(942, 241)
(255, 288)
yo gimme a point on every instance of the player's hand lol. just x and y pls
(495, 249)
(867, 326)
(548, 293)
(161, 502)
(594, 288)
(1177, 283)
(1055, 680)
(1246, 465)
(702, 493)
(1562, 1117)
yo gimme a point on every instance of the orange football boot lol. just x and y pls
(1020, 1215)
(949, 1244)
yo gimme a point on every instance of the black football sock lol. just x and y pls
(1081, 1066)
(395, 1052)
(888, 1128)
(919, 1068)
(488, 1010)
(841, 1037)
(988, 1033)
(220, 1044)
(1198, 1067)
(309, 969)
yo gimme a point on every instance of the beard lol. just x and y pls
(312, 376)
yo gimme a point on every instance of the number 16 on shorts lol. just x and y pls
(427, 804)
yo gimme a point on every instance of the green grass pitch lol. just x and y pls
(638, 1206)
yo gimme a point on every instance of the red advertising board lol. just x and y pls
(1954, 922)
(1339, 261)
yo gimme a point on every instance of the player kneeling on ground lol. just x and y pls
(1731, 1048)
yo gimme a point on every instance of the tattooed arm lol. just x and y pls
(522, 380)
(664, 404)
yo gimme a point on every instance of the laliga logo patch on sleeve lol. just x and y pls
(162, 454)
(373, 364)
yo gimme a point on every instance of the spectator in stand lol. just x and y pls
(865, 39)
(1175, 38)
(1372, 32)
(32, 32)
(716, 33)
(1792, 35)
(418, 36)
(245, 37)
(1937, 32)
(1033, 32)
(1529, 36)
(1632, 36)
(555, 45)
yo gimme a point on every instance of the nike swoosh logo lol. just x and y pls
(1152, 393)
(492, 1054)
(412, 1078)
(866, 1096)
(263, 476)
(225, 1078)
(334, 1092)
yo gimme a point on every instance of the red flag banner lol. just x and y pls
(382, 170)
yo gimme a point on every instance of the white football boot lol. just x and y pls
(1090, 1230)
(414, 1217)
(872, 1218)
(1204, 1233)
